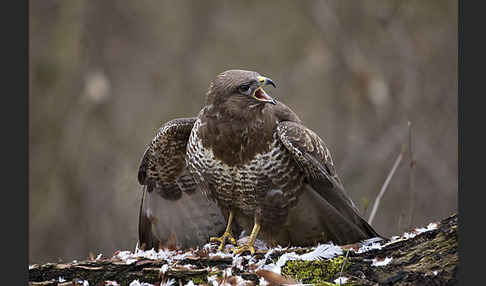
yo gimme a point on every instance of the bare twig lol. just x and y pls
(384, 187)
(344, 263)
(411, 179)
(400, 222)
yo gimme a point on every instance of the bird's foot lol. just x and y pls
(245, 247)
(226, 236)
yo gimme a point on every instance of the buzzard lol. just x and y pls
(262, 170)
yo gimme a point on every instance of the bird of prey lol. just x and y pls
(260, 167)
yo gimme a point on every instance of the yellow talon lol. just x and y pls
(226, 236)
(243, 248)
(249, 246)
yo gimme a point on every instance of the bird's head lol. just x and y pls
(239, 86)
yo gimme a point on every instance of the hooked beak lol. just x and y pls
(259, 94)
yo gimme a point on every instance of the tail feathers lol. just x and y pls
(183, 223)
(370, 230)
(146, 238)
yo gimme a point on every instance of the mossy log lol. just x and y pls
(429, 258)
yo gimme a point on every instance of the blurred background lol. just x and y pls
(104, 75)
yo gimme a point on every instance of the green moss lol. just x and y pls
(198, 280)
(327, 284)
(317, 272)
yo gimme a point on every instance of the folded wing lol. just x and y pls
(324, 203)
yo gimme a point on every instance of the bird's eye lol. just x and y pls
(245, 89)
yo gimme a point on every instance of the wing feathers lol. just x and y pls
(172, 204)
(309, 151)
(163, 165)
(313, 157)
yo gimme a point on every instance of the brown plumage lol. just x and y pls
(172, 204)
(254, 157)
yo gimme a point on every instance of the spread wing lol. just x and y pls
(172, 206)
(338, 210)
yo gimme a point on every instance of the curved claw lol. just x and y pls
(243, 248)
(226, 236)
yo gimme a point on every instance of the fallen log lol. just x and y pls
(423, 256)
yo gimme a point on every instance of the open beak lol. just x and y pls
(259, 94)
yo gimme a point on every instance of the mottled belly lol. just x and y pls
(244, 186)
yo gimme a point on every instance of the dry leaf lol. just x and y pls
(91, 255)
(354, 246)
(274, 278)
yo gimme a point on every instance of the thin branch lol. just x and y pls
(401, 222)
(344, 263)
(384, 187)
(411, 178)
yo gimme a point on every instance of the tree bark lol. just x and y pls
(429, 258)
